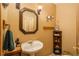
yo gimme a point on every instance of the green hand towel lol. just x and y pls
(8, 43)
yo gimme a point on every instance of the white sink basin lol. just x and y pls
(31, 46)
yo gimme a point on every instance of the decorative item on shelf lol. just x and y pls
(39, 9)
(17, 42)
(57, 51)
(57, 28)
(49, 18)
(57, 46)
(17, 5)
(5, 5)
(56, 40)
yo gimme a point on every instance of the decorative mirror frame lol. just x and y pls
(21, 22)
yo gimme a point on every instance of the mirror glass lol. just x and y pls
(29, 21)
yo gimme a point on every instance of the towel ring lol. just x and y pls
(4, 24)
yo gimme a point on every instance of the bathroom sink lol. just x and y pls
(32, 46)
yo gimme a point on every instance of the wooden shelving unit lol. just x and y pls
(57, 42)
(15, 52)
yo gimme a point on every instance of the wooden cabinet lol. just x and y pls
(0, 29)
(16, 52)
(57, 42)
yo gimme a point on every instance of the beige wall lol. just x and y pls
(46, 36)
(66, 19)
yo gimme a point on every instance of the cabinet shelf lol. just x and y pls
(57, 42)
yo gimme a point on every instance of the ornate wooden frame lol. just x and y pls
(21, 22)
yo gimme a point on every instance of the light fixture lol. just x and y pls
(39, 9)
(49, 18)
(17, 5)
(5, 5)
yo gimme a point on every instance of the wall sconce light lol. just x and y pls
(17, 5)
(5, 5)
(39, 9)
(49, 18)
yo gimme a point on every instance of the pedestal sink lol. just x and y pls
(32, 46)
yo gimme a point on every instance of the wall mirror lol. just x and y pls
(28, 21)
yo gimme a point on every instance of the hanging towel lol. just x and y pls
(8, 43)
